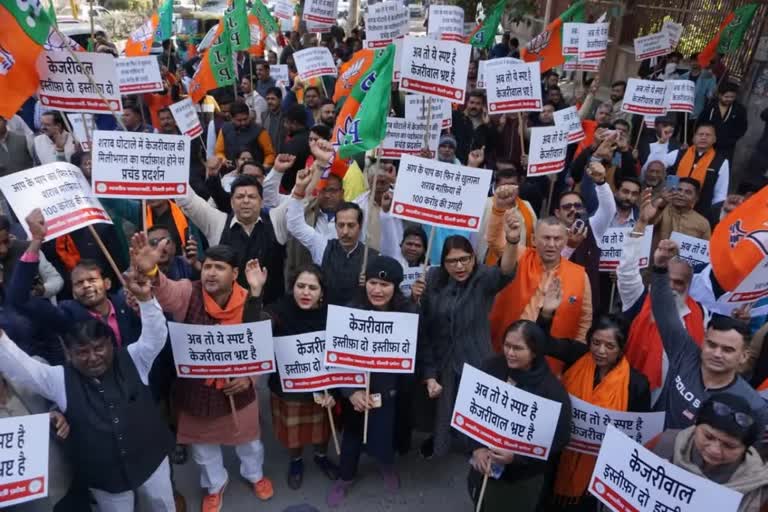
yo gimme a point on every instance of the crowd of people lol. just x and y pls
(266, 233)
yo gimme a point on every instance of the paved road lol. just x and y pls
(426, 485)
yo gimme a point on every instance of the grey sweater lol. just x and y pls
(684, 392)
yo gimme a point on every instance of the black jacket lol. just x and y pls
(729, 129)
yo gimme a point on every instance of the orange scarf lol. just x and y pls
(612, 392)
(644, 349)
(67, 251)
(231, 314)
(525, 212)
(763, 386)
(179, 220)
(698, 171)
(512, 300)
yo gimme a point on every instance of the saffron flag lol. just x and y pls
(740, 241)
(485, 33)
(216, 68)
(25, 29)
(730, 34)
(351, 71)
(158, 26)
(547, 47)
(362, 122)
(236, 21)
(264, 17)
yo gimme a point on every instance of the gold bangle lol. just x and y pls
(153, 272)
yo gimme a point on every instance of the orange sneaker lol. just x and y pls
(212, 502)
(263, 489)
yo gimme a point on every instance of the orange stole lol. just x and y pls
(179, 219)
(511, 301)
(698, 171)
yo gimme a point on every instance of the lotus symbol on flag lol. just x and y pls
(6, 61)
(351, 73)
(350, 134)
(757, 237)
(539, 42)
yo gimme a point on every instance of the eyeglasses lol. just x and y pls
(452, 262)
(569, 206)
(154, 242)
(742, 419)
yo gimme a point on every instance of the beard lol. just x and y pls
(679, 300)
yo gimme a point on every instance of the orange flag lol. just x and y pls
(258, 36)
(24, 31)
(139, 42)
(740, 241)
(350, 71)
(547, 47)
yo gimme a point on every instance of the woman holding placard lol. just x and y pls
(383, 276)
(296, 419)
(456, 299)
(517, 482)
(598, 373)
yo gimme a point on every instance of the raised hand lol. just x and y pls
(386, 201)
(36, 223)
(283, 162)
(138, 285)
(512, 226)
(303, 179)
(417, 289)
(596, 171)
(553, 296)
(476, 157)
(434, 389)
(665, 251)
(256, 275)
(144, 257)
(504, 197)
(190, 253)
(323, 151)
(647, 209)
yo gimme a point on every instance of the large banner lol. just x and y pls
(593, 41)
(23, 458)
(435, 68)
(138, 75)
(140, 165)
(693, 250)
(376, 341)
(680, 95)
(320, 11)
(406, 137)
(645, 97)
(512, 87)
(629, 478)
(300, 363)
(589, 422)
(313, 62)
(187, 120)
(65, 83)
(549, 145)
(439, 193)
(568, 118)
(384, 23)
(612, 243)
(446, 22)
(60, 191)
(417, 109)
(502, 416)
(221, 351)
(652, 45)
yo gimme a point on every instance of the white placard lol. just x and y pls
(314, 27)
(504, 417)
(406, 137)
(446, 22)
(612, 243)
(376, 341)
(221, 351)
(645, 97)
(314, 61)
(133, 165)
(439, 193)
(548, 148)
(674, 32)
(512, 87)
(410, 275)
(300, 364)
(320, 11)
(652, 45)
(186, 118)
(83, 127)
(588, 424)
(574, 64)
(571, 38)
(385, 22)
(64, 85)
(60, 191)
(435, 68)
(24, 458)
(279, 73)
(568, 118)
(593, 41)
(138, 75)
(691, 249)
(753, 288)
(629, 478)
(416, 109)
(286, 25)
(650, 122)
(680, 95)
(284, 10)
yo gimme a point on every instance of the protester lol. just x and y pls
(721, 447)
(524, 480)
(492, 243)
(455, 300)
(241, 133)
(55, 143)
(14, 150)
(729, 118)
(471, 127)
(272, 118)
(133, 120)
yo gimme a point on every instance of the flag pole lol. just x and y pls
(367, 398)
(521, 131)
(107, 255)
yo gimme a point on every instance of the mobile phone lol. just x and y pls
(672, 182)
(376, 399)
(579, 223)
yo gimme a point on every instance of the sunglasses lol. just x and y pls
(742, 419)
(154, 242)
(571, 206)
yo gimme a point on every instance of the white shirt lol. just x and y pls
(601, 220)
(45, 149)
(48, 381)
